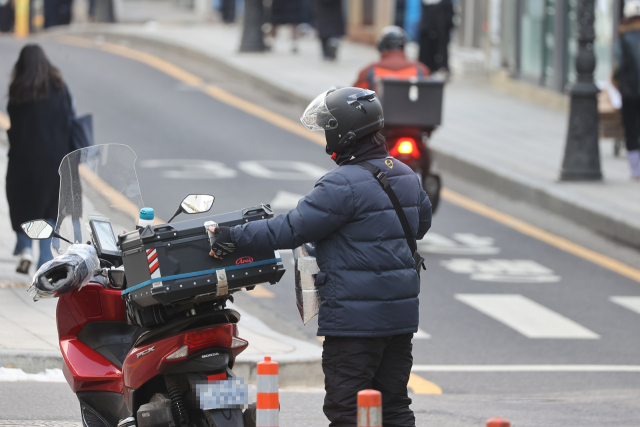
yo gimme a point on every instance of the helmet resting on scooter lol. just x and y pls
(391, 38)
(345, 115)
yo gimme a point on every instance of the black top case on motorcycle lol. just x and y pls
(169, 265)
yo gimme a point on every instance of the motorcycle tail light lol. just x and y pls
(405, 147)
(219, 336)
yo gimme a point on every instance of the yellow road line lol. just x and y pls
(5, 124)
(542, 235)
(261, 291)
(264, 114)
(190, 79)
(296, 128)
(421, 386)
(146, 58)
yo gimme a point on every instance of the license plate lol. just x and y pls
(225, 394)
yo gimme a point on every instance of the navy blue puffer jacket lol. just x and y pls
(367, 281)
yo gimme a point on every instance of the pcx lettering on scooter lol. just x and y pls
(147, 351)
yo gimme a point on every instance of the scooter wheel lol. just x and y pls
(432, 185)
(249, 416)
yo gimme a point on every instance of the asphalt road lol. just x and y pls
(495, 303)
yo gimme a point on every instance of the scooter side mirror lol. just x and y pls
(193, 204)
(38, 229)
(197, 203)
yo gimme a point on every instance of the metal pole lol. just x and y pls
(21, 25)
(252, 36)
(582, 155)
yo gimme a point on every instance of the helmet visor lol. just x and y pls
(317, 117)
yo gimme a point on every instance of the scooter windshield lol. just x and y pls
(97, 182)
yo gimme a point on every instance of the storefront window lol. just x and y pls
(603, 44)
(604, 39)
(549, 46)
(531, 39)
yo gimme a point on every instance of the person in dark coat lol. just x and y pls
(367, 281)
(289, 12)
(329, 22)
(436, 24)
(40, 109)
(627, 78)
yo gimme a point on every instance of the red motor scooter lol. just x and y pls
(412, 111)
(130, 360)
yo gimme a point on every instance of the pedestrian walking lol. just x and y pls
(627, 79)
(329, 22)
(436, 24)
(289, 12)
(41, 112)
(365, 248)
(6, 16)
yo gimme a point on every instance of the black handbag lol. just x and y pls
(81, 132)
(386, 186)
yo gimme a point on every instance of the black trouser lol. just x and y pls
(351, 364)
(631, 122)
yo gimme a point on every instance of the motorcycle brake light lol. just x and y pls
(405, 146)
(218, 336)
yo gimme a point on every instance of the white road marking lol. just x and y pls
(285, 200)
(632, 303)
(526, 368)
(502, 270)
(191, 168)
(421, 335)
(526, 316)
(282, 169)
(464, 244)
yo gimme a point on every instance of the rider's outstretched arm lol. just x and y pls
(321, 212)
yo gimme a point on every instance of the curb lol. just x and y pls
(302, 374)
(505, 182)
(32, 362)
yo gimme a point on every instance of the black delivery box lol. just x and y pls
(414, 103)
(170, 263)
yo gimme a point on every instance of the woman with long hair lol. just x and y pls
(41, 112)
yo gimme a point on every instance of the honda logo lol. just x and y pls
(244, 260)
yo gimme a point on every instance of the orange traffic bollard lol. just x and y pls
(267, 405)
(498, 422)
(369, 408)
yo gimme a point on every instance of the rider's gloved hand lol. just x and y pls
(223, 245)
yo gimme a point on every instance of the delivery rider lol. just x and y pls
(393, 63)
(367, 280)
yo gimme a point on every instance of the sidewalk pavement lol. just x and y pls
(510, 145)
(29, 337)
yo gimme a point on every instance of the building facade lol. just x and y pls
(532, 40)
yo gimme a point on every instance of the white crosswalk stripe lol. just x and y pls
(526, 316)
(632, 303)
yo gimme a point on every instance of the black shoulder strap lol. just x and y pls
(382, 179)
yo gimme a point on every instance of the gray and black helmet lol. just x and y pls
(345, 115)
(391, 38)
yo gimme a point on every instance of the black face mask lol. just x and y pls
(360, 153)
